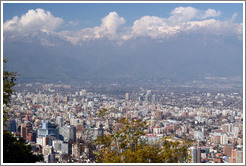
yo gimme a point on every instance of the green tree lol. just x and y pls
(8, 83)
(127, 146)
(16, 151)
(14, 148)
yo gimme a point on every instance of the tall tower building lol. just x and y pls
(25, 129)
(48, 129)
(127, 96)
(12, 125)
(28, 118)
(195, 154)
(60, 121)
(66, 99)
(227, 150)
(158, 115)
(68, 133)
(57, 145)
(239, 157)
(101, 130)
(77, 149)
(148, 96)
(153, 98)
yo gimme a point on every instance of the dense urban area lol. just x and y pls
(58, 119)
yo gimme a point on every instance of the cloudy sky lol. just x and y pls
(78, 23)
(210, 30)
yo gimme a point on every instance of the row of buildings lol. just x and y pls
(61, 125)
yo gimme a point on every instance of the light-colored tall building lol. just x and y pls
(195, 154)
(68, 133)
(60, 121)
(153, 98)
(127, 96)
(239, 157)
(77, 150)
(47, 150)
(56, 144)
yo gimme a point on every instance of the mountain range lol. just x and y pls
(184, 56)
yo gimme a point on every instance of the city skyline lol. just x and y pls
(122, 82)
(56, 118)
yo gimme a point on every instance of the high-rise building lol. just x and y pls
(127, 96)
(239, 157)
(50, 158)
(148, 96)
(198, 154)
(66, 147)
(66, 99)
(31, 136)
(28, 118)
(199, 135)
(140, 98)
(77, 150)
(158, 115)
(48, 129)
(153, 98)
(26, 127)
(185, 129)
(56, 144)
(74, 122)
(236, 156)
(12, 125)
(227, 150)
(195, 154)
(44, 141)
(67, 133)
(47, 150)
(101, 130)
(60, 121)
(224, 139)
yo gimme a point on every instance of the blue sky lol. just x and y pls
(209, 38)
(88, 15)
(119, 22)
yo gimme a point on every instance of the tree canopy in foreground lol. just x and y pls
(15, 149)
(126, 145)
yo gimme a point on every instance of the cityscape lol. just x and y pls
(70, 81)
(54, 117)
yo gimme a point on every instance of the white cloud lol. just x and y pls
(73, 23)
(111, 23)
(148, 25)
(156, 27)
(210, 13)
(182, 19)
(31, 22)
(196, 25)
(234, 16)
(108, 29)
(182, 14)
(153, 27)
